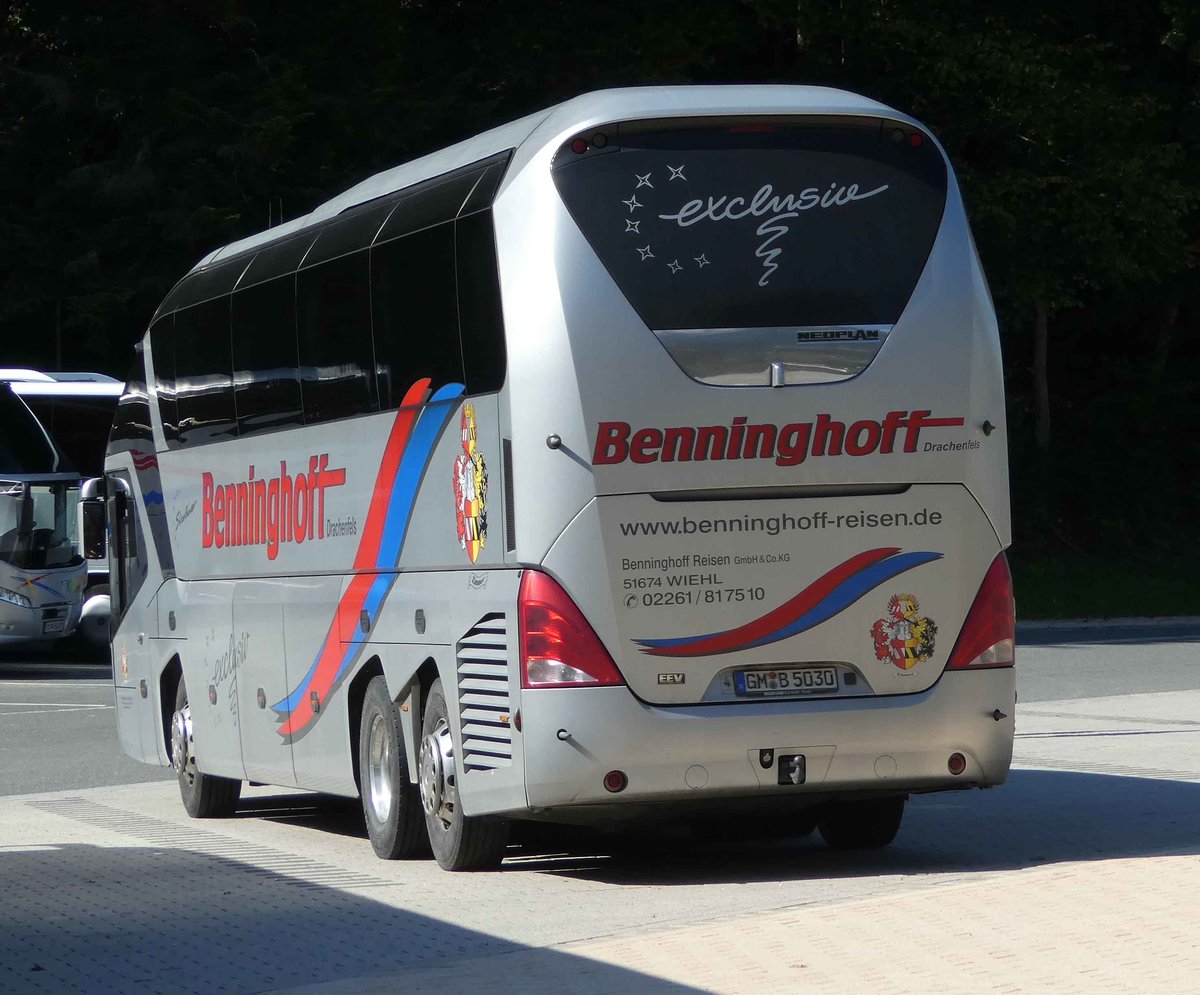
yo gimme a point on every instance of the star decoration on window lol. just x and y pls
(646, 253)
(644, 181)
(674, 266)
(633, 226)
(676, 173)
(632, 203)
(701, 260)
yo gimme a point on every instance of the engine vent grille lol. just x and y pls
(483, 694)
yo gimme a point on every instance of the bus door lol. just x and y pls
(318, 724)
(130, 649)
(258, 673)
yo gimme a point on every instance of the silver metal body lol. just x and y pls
(656, 548)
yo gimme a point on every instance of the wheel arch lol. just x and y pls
(408, 687)
(168, 680)
(354, 702)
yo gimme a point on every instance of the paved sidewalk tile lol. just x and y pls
(1115, 926)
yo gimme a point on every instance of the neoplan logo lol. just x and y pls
(839, 335)
(787, 445)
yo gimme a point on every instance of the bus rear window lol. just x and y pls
(758, 223)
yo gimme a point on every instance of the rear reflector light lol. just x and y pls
(987, 637)
(558, 647)
(615, 781)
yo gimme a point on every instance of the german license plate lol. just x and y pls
(783, 681)
(54, 625)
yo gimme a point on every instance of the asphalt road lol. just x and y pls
(1059, 661)
(58, 728)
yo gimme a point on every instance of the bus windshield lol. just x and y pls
(38, 525)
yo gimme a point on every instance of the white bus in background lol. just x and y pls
(76, 411)
(43, 573)
(644, 457)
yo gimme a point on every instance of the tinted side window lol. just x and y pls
(278, 259)
(203, 368)
(350, 231)
(266, 378)
(333, 307)
(131, 421)
(490, 173)
(429, 203)
(204, 285)
(480, 317)
(415, 312)
(127, 564)
(162, 352)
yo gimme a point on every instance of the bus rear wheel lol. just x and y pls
(391, 804)
(861, 825)
(460, 842)
(205, 796)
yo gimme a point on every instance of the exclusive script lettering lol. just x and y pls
(775, 209)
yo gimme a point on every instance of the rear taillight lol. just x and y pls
(558, 647)
(987, 637)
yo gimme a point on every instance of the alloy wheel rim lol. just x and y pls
(379, 763)
(439, 794)
(182, 758)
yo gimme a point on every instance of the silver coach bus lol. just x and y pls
(644, 455)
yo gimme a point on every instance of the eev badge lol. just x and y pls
(470, 489)
(903, 636)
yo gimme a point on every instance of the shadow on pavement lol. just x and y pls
(30, 667)
(1038, 817)
(138, 919)
(323, 813)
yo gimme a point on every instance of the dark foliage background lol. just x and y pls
(135, 137)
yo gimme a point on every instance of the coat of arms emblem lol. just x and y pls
(903, 637)
(470, 489)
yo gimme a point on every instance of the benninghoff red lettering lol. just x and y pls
(268, 510)
(787, 445)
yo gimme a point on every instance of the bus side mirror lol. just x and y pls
(91, 510)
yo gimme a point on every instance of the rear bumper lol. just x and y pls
(693, 753)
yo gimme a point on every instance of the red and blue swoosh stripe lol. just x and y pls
(825, 597)
(418, 426)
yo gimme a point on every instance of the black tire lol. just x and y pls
(391, 804)
(805, 824)
(861, 825)
(205, 796)
(459, 842)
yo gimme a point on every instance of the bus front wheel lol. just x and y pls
(460, 842)
(391, 803)
(861, 825)
(205, 796)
